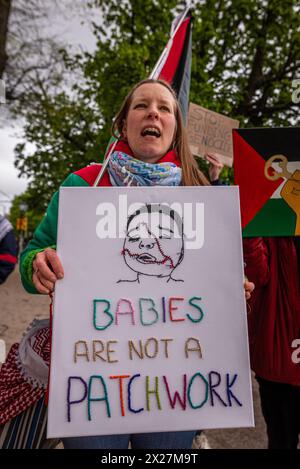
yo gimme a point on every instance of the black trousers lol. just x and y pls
(280, 404)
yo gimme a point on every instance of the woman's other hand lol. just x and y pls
(215, 165)
(249, 287)
(47, 269)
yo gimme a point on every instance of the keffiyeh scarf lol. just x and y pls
(24, 375)
(125, 170)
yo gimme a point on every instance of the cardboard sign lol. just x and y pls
(210, 132)
(149, 330)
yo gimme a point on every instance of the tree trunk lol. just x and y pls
(4, 16)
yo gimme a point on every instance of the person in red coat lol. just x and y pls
(274, 324)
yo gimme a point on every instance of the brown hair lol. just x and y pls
(191, 174)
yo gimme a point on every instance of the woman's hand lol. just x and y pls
(215, 165)
(249, 287)
(47, 269)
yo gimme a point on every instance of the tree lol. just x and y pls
(4, 16)
(30, 49)
(33, 215)
(245, 55)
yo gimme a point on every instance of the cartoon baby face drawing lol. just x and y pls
(154, 243)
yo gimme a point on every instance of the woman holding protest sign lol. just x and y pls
(152, 150)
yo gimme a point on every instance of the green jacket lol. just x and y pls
(46, 233)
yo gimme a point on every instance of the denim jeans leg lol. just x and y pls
(97, 442)
(163, 440)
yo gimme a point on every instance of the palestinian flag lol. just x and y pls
(174, 64)
(267, 171)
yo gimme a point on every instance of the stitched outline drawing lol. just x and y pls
(154, 243)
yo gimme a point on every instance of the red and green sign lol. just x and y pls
(267, 170)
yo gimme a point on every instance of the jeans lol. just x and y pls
(160, 440)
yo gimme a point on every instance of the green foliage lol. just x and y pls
(33, 215)
(245, 55)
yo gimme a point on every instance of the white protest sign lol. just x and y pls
(149, 328)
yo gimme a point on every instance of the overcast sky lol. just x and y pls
(73, 32)
(10, 184)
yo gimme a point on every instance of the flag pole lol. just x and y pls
(167, 48)
(105, 164)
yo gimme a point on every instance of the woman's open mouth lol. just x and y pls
(151, 131)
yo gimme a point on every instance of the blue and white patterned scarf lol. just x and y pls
(124, 170)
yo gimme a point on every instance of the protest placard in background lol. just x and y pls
(149, 329)
(210, 132)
